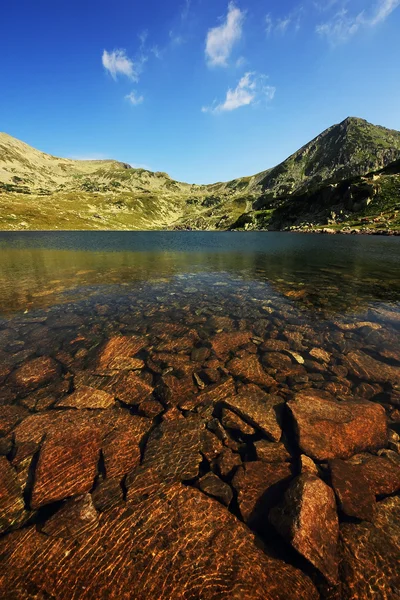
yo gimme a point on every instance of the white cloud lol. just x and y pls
(134, 98)
(220, 40)
(344, 25)
(281, 25)
(383, 9)
(118, 63)
(251, 89)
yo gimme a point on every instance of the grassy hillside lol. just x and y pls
(40, 191)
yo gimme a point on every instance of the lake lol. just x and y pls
(161, 391)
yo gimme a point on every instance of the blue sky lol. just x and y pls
(206, 90)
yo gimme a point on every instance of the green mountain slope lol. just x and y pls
(311, 187)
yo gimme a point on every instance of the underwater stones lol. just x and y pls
(12, 505)
(121, 447)
(132, 389)
(200, 354)
(64, 320)
(308, 520)
(274, 345)
(213, 486)
(155, 548)
(215, 393)
(276, 360)
(320, 355)
(259, 486)
(250, 369)
(231, 420)
(77, 516)
(177, 390)
(328, 429)
(366, 368)
(355, 497)
(173, 449)
(271, 451)
(67, 464)
(87, 397)
(118, 354)
(227, 462)
(34, 373)
(223, 343)
(370, 555)
(10, 415)
(259, 409)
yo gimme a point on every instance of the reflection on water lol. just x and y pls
(323, 273)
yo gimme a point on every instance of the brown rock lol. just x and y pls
(352, 490)
(259, 486)
(370, 555)
(34, 373)
(223, 343)
(200, 354)
(272, 452)
(365, 367)
(176, 390)
(210, 446)
(276, 360)
(67, 465)
(87, 397)
(231, 420)
(307, 519)
(76, 517)
(173, 449)
(227, 462)
(10, 416)
(150, 408)
(152, 549)
(328, 429)
(213, 486)
(132, 389)
(216, 392)
(320, 354)
(121, 447)
(12, 505)
(118, 355)
(259, 409)
(274, 346)
(307, 465)
(250, 369)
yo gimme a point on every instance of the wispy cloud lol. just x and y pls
(251, 89)
(118, 63)
(134, 98)
(283, 24)
(221, 39)
(343, 25)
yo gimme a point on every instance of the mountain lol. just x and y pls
(40, 191)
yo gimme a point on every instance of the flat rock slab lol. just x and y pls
(132, 389)
(308, 520)
(173, 449)
(250, 369)
(118, 354)
(213, 486)
(352, 489)
(365, 367)
(370, 555)
(259, 409)
(329, 429)
(34, 373)
(223, 343)
(121, 447)
(67, 465)
(87, 397)
(176, 543)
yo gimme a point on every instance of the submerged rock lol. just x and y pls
(328, 429)
(87, 397)
(118, 355)
(34, 373)
(308, 520)
(76, 517)
(12, 506)
(173, 542)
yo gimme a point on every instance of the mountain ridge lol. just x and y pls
(109, 194)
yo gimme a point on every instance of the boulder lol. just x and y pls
(118, 353)
(34, 373)
(308, 520)
(366, 368)
(327, 429)
(249, 369)
(87, 397)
